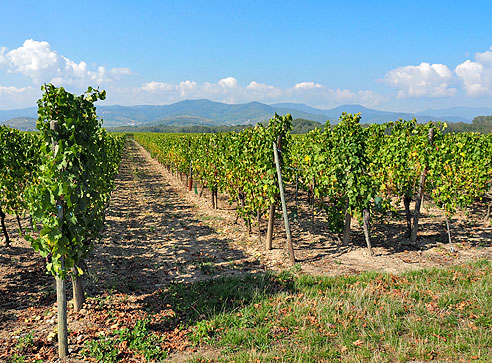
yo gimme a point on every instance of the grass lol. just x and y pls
(426, 315)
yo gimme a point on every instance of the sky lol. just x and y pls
(389, 55)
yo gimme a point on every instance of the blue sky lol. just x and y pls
(390, 55)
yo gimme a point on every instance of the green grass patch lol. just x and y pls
(438, 314)
(126, 343)
(426, 315)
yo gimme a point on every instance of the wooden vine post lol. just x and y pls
(284, 206)
(271, 212)
(190, 180)
(408, 214)
(78, 290)
(365, 219)
(271, 220)
(418, 202)
(61, 295)
(4, 228)
(346, 228)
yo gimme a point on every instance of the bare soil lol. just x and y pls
(157, 233)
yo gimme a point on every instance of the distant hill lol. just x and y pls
(370, 116)
(205, 112)
(21, 123)
(31, 112)
(467, 113)
(299, 126)
(209, 113)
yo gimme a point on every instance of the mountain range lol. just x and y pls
(209, 113)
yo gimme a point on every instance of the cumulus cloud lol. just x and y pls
(260, 91)
(158, 86)
(307, 85)
(36, 60)
(11, 90)
(228, 83)
(122, 71)
(424, 80)
(477, 76)
(366, 98)
(12, 97)
(3, 58)
(230, 91)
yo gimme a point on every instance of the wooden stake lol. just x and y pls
(61, 294)
(271, 222)
(190, 181)
(346, 230)
(449, 232)
(78, 290)
(271, 214)
(284, 206)
(296, 219)
(418, 202)
(4, 228)
(365, 217)
(312, 205)
(408, 215)
(61, 301)
(258, 220)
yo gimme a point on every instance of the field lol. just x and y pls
(174, 279)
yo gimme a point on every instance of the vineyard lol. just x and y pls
(180, 244)
(348, 171)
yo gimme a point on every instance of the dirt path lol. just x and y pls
(157, 236)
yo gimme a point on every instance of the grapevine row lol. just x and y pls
(350, 170)
(63, 177)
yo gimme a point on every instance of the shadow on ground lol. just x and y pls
(153, 238)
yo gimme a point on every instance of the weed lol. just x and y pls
(207, 268)
(25, 342)
(138, 339)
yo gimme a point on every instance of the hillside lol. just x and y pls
(21, 123)
(209, 113)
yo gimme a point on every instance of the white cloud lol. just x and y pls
(259, 91)
(366, 98)
(228, 83)
(424, 80)
(11, 90)
(36, 60)
(307, 85)
(122, 71)
(158, 86)
(485, 57)
(192, 89)
(229, 90)
(188, 88)
(477, 76)
(3, 58)
(12, 97)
